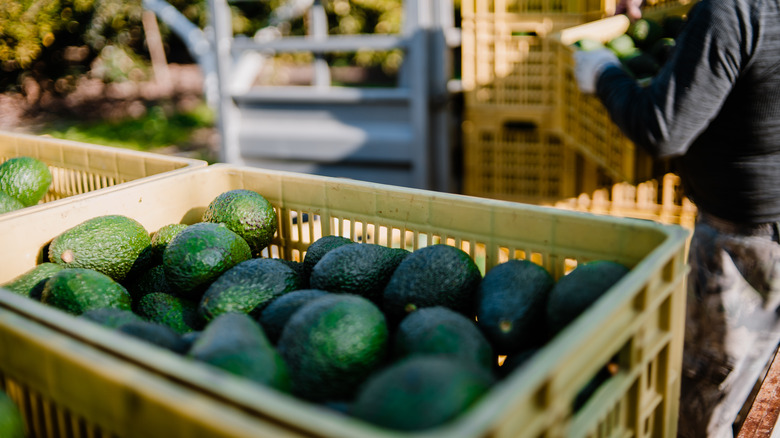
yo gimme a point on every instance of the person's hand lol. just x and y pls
(632, 8)
(588, 66)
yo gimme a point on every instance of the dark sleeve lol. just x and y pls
(667, 115)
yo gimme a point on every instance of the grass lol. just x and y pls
(154, 130)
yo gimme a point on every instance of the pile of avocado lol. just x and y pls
(402, 339)
(24, 181)
(645, 47)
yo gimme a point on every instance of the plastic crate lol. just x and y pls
(582, 118)
(520, 160)
(583, 10)
(649, 200)
(79, 375)
(508, 63)
(79, 169)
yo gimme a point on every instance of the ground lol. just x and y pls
(29, 111)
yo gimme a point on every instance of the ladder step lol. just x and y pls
(333, 43)
(326, 141)
(337, 95)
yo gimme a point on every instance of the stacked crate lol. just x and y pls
(512, 78)
(510, 147)
(582, 119)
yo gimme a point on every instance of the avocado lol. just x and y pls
(25, 178)
(441, 331)
(590, 388)
(177, 313)
(573, 293)
(436, 275)
(588, 44)
(662, 50)
(111, 244)
(148, 281)
(246, 213)
(157, 334)
(645, 32)
(110, 317)
(641, 65)
(8, 203)
(189, 338)
(510, 305)
(274, 316)
(77, 290)
(622, 45)
(360, 269)
(31, 283)
(419, 393)
(297, 267)
(332, 344)
(319, 248)
(11, 420)
(248, 287)
(237, 344)
(199, 254)
(161, 238)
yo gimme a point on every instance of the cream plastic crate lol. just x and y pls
(508, 63)
(79, 376)
(537, 10)
(521, 160)
(82, 169)
(582, 118)
(649, 200)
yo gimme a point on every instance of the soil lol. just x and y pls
(30, 111)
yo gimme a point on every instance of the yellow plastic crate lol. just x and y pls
(82, 169)
(508, 63)
(537, 9)
(583, 10)
(663, 202)
(582, 118)
(77, 376)
(521, 160)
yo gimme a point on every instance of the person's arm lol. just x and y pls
(666, 116)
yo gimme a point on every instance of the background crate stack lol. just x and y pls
(510, 150)
(512, 71)
(583, 122)
(519, 160)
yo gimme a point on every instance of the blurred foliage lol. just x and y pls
(55, 41)
(157, 128)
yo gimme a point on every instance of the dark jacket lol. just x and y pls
(716, 106)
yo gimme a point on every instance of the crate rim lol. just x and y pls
(188, 165)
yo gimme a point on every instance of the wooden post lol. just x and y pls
(154, 41)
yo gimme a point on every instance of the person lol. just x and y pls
(714, 108)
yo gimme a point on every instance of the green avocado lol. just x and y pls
(360, 269)
(235, 343)
(248, 287)
(199, 254)
(113, 244)
(332, 344)
(77, 290)
(420, 392)
(511, 302)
